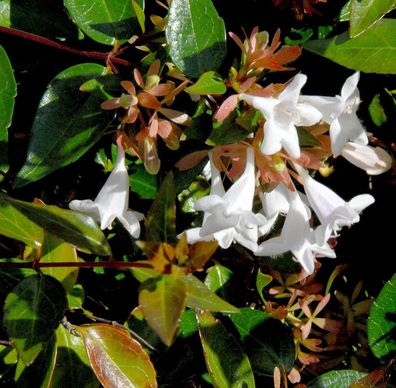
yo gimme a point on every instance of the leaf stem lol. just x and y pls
(61, 46)
(104, 264)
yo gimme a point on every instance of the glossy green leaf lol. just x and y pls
(373, 51)
(116, 358)
(208, 83)
(143, 274)
(227, 364)
(377, 112)
(105, 21)
(55, 250)
(163, 300)
(72, 365)
(220, 280)
(14, 224)
(138, 8)
(267, 341)
(8, 359)
(337, 378)
(42, 17)
(306, 139)
(188, 323)
(8, 92)
(381, 324)
(200, 296)
(262, 280)
(143, 183)
(161, 218)
(73, 227)
(32, 312)
(365, 13)
(38, 374)
(196, 36)
(68, 121)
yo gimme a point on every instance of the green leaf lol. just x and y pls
(105, 21)
(73, 227)
(43, 17)
(143, 183)
(163, 300)
(337, 378)
(188, 323)
(381, 324)
(14, 224)
(68, 121)
(32, 312)
(72, 365)
(38, 374)
(200, 296)
(8, 91)
(55, 250)
(138, 8)
(365, 13)
(267, 341)
(208, 83)
(262, 280)
(373, 51)
(227, 364)
(161, 218)
(306, 139)
(377, 112)
(196, 36)
(116, 358)
(220, 280)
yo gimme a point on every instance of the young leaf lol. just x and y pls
(227, 364)
(199, 296)
(73, 368)
(32, 312)
(373, 51)
(68, 121)
(105, 21)
(336, 378)
(208, 83)
(8, 91)
(160, 221)
(267, 341)
(56, 250)
(262, 280)
(196, 36)
(365, 13)
(14, 224)
(75, 228)
(39, 374)
(381, 324)
(163, 300)
(116, 358)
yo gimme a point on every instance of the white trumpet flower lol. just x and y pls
(112, 201)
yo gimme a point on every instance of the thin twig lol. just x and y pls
(104, 264)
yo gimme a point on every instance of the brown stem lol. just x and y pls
(104, 264)
(48, 42)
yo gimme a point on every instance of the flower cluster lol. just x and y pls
(296, 134)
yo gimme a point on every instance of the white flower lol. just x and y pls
(228, 215)
(297, 237)
(332, 211)
(374, 161)
(340, 113)
(112, 201)
(282, 115)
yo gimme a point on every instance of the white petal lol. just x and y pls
(193, 235)
(276, 201)
(325, 105)
(208, 202)
(130, 221)
(350, 86)
(290, 142)
(217, 187)
(218, 221)
(292, 91)
(86, 206)
(272, 138)
(265, 105)
(271, 247)
(360, 202)
(225, 238)
(308, 115)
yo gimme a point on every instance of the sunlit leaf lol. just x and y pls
(373, 51)
(73, 368)
(196, 36)
(160, 221)
(116, 358)
(143, 183)
(163, 300)
(208, 83)
(55, 250)
(227, 364)
(8, 92)
(262, 280)
(381, 324)
(68, 121)
(200, 296)
(105, 21)
(199, 253)
(365, 13)
(220, 280)
(337, 378)
(76, 228)
(32, 312)
(267, 341)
